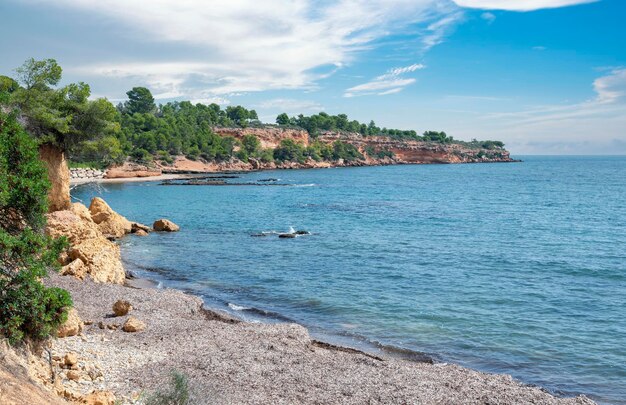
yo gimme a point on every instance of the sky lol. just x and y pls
(544, 76)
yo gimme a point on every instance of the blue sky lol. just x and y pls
(545, 76)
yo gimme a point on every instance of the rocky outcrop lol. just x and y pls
(164, 225)
(110, 222)
(72, 327)
(101, 257)
(59, 176)
(130, 169)
(270, 137)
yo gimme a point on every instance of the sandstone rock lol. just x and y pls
(101, 257)
(140, 232)
(133, 324)
(121, 308)
(72, 327)
(76, 268)
(109, 221)
(164, 225)
(81, 211)
(59, 176)
(99, 398)
(73, 375)
(70, 359)
(135, 227)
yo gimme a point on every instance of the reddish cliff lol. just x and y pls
(270, 137)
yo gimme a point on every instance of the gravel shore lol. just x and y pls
(233, 362)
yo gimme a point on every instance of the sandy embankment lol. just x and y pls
(234, 362)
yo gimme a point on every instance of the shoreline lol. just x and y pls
(233, 361)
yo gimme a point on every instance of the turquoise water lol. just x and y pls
(512, 268)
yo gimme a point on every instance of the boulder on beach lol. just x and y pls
(121, 307)
(76, 268)
(133, 324)
(109, 221)
(165, 225)
(101, 258)
(72, 327)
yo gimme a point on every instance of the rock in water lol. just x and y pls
(303, 233)
(164, 225)
(287, 235)
(72, 327)
(133, 324)
(136, 227)
(121, 308)
(140, 232)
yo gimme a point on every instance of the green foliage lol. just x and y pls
(64, 116)
(434, 136)
(106, 151)
(283, 119)
(28, 309)
(379, 154)
(241, 116)
(346, 151)
(251, 144)
(140, 101)
(177, 394)
(290, 151)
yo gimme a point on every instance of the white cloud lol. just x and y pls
(291, 106)
(611, 88)
(390, 82)
(519, 5)
(489, 17)
(247, 45)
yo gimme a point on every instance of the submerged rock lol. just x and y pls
(287, 235)
(302, 233)
(164, 225)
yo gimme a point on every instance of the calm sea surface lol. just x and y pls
(510, 268)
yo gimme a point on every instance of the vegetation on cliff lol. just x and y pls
(94, 131)
(28, 309)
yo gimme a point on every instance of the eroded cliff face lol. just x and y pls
(416, 152)
(270, 137)
(59, 176)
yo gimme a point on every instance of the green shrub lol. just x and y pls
(177, 394)
(28, 309)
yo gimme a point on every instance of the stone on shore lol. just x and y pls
(110, 222)
(133, 324)
(140, 232)
(101, 258)
(70, 359)
(73, 375)
(122, 307)
(99, 398)
(76, 268)
(72, 327)
(164, 225)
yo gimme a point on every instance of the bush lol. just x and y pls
(178, 393)
(28, 309)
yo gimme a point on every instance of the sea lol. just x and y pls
(516, 268)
